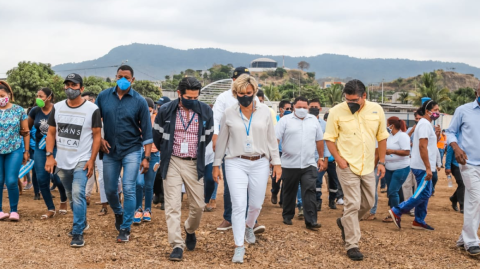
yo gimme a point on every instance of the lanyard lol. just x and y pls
(181, 117)
(249, 123)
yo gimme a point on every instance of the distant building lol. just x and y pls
(263, 64)
(328, 84)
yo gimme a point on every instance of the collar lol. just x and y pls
(475, 104)
(130, 92)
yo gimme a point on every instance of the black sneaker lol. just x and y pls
(191, 241)
(314, 226)
(118, 221)
(123, 236)
(162, 206)
(156, 199)
(176, 255)
(474, 251)
(77, 241)
(70, 234)
(340, 225)
(287, 221)
(37, 196)
(332, 204)
(354, 254)
(319, 206)
(454, 204)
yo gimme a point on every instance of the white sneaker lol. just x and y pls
(238, 256)
(249, 235)
(340, 201)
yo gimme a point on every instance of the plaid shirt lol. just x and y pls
(189, 136)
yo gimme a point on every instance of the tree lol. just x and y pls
(167, 77)
(272, 93)
(429, 88)
(280, 72)
(303, 65)
(458, 98)
(334, 94)
(311, 75)
(147, 89)
(190, 72)
(27, 78)
(403, 97)
(263, 76)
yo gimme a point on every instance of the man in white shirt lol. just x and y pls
(301, 134)
(224, 101)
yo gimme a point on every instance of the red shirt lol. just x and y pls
(189, 136)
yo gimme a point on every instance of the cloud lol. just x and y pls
(73, 31)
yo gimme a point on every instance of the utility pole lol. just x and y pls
(382, 91)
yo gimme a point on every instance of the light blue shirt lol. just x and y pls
(326, 153)
(279, 144)
(465, 131)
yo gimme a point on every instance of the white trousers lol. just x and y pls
(245, 176)
(91, 182)
(471, 210)
(408, 186)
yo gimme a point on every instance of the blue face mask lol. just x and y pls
(287, 113)
(188, 103)
(123, 84)
(478, 99)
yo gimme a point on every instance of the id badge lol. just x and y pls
(248, 146)
(184, 148)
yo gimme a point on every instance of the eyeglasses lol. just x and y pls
(288, 108)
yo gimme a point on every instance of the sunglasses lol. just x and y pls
(288, 108)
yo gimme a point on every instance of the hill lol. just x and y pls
(154, 62)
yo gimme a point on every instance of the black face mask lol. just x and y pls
(245, 100)
(354, 107)
(314, 111)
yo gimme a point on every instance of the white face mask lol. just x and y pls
(301, 112)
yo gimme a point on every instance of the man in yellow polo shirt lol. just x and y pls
(353, 127)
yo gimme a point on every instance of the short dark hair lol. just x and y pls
(428, 105)
(316, 100)
(189, 83)
(283, 103)
(126, 68)
(91, 94)
(260, 93)
(354, 87)
(48, 92)
(415, 113)
(300, 98)
(325, 117)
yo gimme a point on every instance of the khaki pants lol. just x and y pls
(182, 172)
(359, 192)
(408, 188)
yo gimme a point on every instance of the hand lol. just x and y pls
(342, 163)
(90, 165)
(214, 141)
(429, 175)
(380, 171)
(389, 151)
(24, 132)
(277, 172)
(439, 168)
(217, 174)
(460, 155)
(104, 146)
(325, 164)
(26, 157)
(320, 165)
(448, 172)
(144, 165)
(50, 164)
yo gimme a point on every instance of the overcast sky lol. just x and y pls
(77, 30)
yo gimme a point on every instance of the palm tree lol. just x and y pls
(272, 93)
(334, 94)
(403, 97)
(430, 88)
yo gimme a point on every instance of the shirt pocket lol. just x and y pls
(347, 126)
(371, 122)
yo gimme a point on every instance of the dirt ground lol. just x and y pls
(34, 243)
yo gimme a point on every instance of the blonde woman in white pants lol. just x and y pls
(247, 131)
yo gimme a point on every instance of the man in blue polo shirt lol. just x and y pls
(128, 128)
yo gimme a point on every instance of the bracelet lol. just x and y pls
(380, 163)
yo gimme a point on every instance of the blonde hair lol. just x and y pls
(241, 83)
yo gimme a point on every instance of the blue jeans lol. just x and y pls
(145, 183)
(34, 175)
(9, 169)
(227, 201)
(419, 200)
(395, 180)
(299, 197)
(43, 179)
(208, 182)
(214, 194)
(442, 152)
(374, 208)
(434, 179)
(111, 172)
(74, 181)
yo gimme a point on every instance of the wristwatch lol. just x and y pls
(322, 159)
(147, 158)
(380, 163)
(49, 153)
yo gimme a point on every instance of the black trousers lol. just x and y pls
(158, 186)
(276, 186)
(459, 195)
(307, 179)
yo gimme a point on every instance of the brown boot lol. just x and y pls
(224, 226)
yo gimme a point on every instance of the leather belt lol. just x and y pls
(187, 158)
(251, 158)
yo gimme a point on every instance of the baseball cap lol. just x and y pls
(163, 100)
(75, 78)
(240, 70)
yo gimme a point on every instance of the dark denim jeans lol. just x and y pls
(208, 182)
(75, 181)
(395, 180)
(145, 183)
(43, 178)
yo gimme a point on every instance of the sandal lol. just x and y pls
(63, 211)
(45, 216)
(370, 217)
(388, 219)
(103, 211)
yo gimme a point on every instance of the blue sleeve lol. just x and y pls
(145, 122)
(97, 102)
(448, 160)
(454, 128)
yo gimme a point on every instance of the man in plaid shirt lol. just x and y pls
(182, 130)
